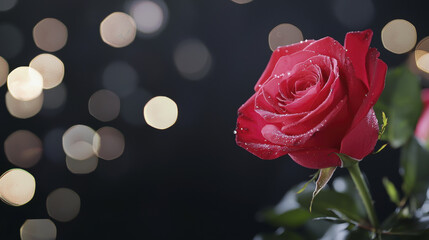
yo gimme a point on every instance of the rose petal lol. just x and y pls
(357, 44)
(278, 136)
(271, 117)
(288, 63)
(249, 137)
(356, 89)
(321, 90)
(360, 140)
(376, 76)
(316, 158)
(280, 52)
(323, 113)
(329, 47)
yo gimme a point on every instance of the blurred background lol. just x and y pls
(124, 111)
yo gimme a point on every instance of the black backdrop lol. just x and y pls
(190, 181)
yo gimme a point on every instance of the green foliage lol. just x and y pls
(415, 170)
(391, 191)
(401, 102)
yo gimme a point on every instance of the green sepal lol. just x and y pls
(383, 125)
(325, 174)
(314, 176)
(346, 160)
(380, 149)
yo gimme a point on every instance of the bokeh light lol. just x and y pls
(160, 112)
(51, 68)
(104, 105)
(150, 16)
(132, 106)
(108, 143)
(50, 34)
(38, 229)
(242, 1)
(421, 56)
(11, 41)
(354, 14)
(399, 36)
(82, 166)
(339, 184)
(63, 204)
(17, 187)
(77, 142)
(120, 78)
(412, 66)
(284, 34)
(52, 145)
(4, 71)
(192, 59)
(6, 5)
(23, 148)
(423, 63)
(25, 83)
(23, 109)
(55, 97)
(118, 30)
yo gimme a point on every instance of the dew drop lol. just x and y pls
(235, 132)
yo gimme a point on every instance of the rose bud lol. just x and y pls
(314, 99)
(422, 129)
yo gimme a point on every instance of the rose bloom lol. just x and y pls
(422, 129)
(313, 100)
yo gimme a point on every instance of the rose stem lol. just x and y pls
(363, 190)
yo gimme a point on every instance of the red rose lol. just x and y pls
(313, 100)
(422, 129)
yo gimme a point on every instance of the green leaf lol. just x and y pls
(401, 101)
(347, 186)
(414, 226)
(391, 191)
(325, 174)
(414, 170)
(293, 218)
(328, 199)
(346, 160)
(330, 219)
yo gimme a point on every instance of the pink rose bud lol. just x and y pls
(313, 100)
(422, 129)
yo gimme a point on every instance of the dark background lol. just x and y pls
(190, 181)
